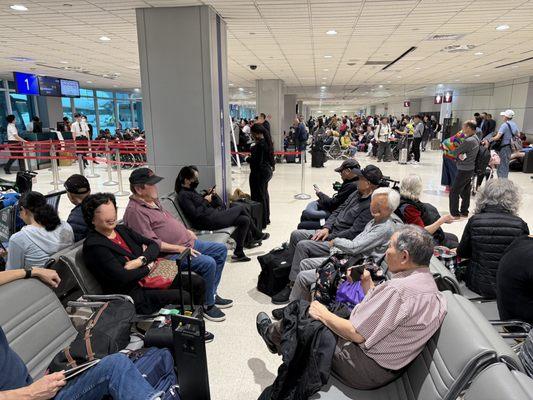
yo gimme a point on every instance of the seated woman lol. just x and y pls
(488, 233)
(208, 212)
(413, 211)
(119, 258)
(43, 235)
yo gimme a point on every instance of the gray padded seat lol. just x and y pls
(443, 276)
(73, 259)
(463, 346)
(36, 325)
(498, 383)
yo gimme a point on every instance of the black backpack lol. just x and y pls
(275, 269)
(482, 160)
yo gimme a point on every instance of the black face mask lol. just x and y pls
(194, 184)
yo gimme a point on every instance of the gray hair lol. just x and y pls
(417, 242)
(393, 197)
(411, 187)
(499, 192)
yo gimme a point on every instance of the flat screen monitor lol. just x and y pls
(70, 88)
(26, 83)
(49, 86)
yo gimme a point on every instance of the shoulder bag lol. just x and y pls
(161, 275)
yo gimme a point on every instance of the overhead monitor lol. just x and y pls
(437, 99)
(70, 88)
(407, 103)
(49, 86)
(26, 83)
(448, 97)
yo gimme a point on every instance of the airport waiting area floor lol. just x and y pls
(240, 366)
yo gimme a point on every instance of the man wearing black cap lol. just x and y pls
(145, 215)
(325, 205)
(78, 188)
(347, 221)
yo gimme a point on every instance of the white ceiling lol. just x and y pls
(288, 41)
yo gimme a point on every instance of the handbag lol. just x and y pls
(350, 294)
(496, 145)
(161, 275)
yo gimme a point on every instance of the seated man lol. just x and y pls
(78, 188)
(145, 215)
(325, 205)
(114, 375)
(391, 326)
(372, 242)
(347, 222)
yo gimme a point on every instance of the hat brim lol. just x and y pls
(153, 180)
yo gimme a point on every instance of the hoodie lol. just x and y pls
(33, 246)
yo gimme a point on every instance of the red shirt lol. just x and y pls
(413, 216)
(118, 240)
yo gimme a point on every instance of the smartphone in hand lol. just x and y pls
(357, 272)
(317, 189)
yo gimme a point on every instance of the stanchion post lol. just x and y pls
(110, 181)
(91, 174)
(80, 164)
(55, 170)
(302, 195)
(121, 191)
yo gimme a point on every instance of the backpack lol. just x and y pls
(157, 367)
(516, 144)
(106, 332)
(482, 160)
(275, 269)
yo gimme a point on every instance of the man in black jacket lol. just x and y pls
(78, 188)
(325, 205)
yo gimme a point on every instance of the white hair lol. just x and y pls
(393, 197)
(499, 192)
(411, 187)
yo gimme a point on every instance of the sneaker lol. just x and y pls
(223, 303)
(277, 313)
(213, 313)
(282, 297)
(240, 258)
(262, 323)
(265, 236)
(209, 337)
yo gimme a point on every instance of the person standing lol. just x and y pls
(80, 132)
(300, 132)
(505, 134)
(263, 121)
(417, 138)
(15, 141)
(383, 132)
(466, 163)
(262, 164)
(427, 133)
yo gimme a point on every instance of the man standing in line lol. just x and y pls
(466, 163)
(383, 132)
(417, 138)
(506, 132)
(80, 132)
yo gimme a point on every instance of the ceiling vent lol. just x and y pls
(377, 62)
(21, 59)
(446, 36)
(515, 62)
(458, 48)
(81, 70)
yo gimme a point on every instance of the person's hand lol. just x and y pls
(47, 387)
(47, 276)
(317, 310)
(133, 264)
(366, 278)
(209, 198)
(195, 253)
(453, 251)
(320, 234)
(448, 219)
(193, 235)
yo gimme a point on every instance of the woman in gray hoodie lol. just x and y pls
(44, 234)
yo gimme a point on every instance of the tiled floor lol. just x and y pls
(239, 364)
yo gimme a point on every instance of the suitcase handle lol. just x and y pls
(185, 255)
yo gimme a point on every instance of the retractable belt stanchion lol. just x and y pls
(80, 164)
(110, 181)
(91, 174)
(302, 195)
(55, 171)
(121, 191)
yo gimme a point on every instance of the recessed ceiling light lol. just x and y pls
(231, 84)
(323, 87)
(104, 39)
(502, 27)
(18, 7)
(325, 70)
(324, 78)
(332, 111)
(331, 32)
(241, 89)
(399, 77)
(89, 81)
(457, 80)
(115, 85)
(63, 62)
(380, 86)
(319, 111)
(477, 75)
(251, 92)
(388, 81)
(417, 68)
(344, 110)
(136, 90)
(328, 56)
(479, 53)
(440, 85)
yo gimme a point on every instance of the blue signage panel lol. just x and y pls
(26, 83)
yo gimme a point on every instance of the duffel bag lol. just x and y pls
(255, 209)
(106, 332)
(157, 367)
(275, 269)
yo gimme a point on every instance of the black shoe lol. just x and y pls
(8, 172)
(240, 258)
(282, 297)
(265, 236)
(253, 244)
(277, 313)
(262, 323)
(209, 337)
(223, 303)
(213, 313)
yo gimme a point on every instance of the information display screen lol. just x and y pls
(49, 86)
(26, 83)
(70, 88)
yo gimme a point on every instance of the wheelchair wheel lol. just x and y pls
(335, 152)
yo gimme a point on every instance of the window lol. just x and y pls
(104, 95)
(124, 114)
(67, 107)
(3, 114)
(122, 96)
(22, 110)
(107, 114)
(138, 111)
(86, 92)
(85, 106)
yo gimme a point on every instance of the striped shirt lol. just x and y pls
(398, 317)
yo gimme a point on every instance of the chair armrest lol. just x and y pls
(107, 297)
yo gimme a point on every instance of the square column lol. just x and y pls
(270, 101)
(183, 63)
(289, 101)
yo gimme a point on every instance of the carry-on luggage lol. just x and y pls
(402, 159)
(318, 158)
(291, 158)
(275, 269)
(255, 209)
(528, 163)
(435, 144)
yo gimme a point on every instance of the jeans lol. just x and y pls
(461, 187)
(503, 168)
(14, 155)
(208, 265)
(312, 212)
(114, 376)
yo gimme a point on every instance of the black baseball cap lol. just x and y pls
(77, 184)
(371, 173)
(348, 164)
(144, 176)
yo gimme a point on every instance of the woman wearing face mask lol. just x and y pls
(207, 212)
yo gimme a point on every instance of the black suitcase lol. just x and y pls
(255, 209)
(275, 269)
(528, 163)
(318, 158)
(291, 158)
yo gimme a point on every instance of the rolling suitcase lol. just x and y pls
(291, 158)
(255, 209)
(402, 159)
(435, 144)
(528, 163)
(188, 334)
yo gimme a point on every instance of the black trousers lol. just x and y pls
(259, 191)
(461, 187)
(15, 154)
(416, 148)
